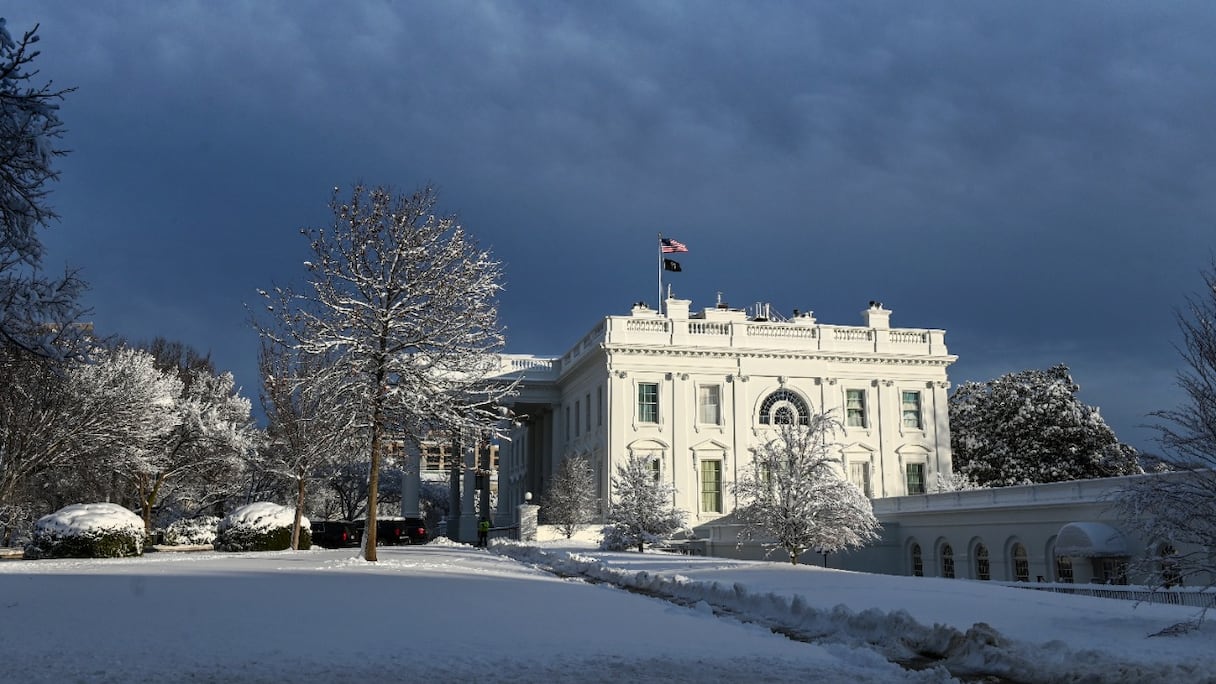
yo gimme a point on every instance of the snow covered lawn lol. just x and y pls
(1030, 636)
(448, 613)
(424, 613)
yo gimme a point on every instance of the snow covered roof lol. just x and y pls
(1090, 540)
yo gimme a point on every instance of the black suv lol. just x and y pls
(336, 534)
(397, 531)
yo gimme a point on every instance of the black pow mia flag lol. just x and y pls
(671, 265)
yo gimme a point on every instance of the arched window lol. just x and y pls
(1167, 561)
(1021, 564)
(784, 407)
(983, 570)
(1064, 569)
(918, 562)
(947, 556)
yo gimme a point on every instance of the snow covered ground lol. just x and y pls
(448, 612)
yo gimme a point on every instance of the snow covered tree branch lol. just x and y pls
(642, 511)
(34, 309)
(405, 304)
(86, 416)
(210, 438)
(1029, 427)
(796, 498)
(308, 430)
(570, 503)
(1177, 510)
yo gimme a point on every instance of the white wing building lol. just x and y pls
(695, 392)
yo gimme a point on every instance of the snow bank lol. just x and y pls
(977, 651)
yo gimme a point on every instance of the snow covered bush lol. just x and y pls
(99, 530)
(795, 497)
(192, 531)
(260, 526)
(642, 512)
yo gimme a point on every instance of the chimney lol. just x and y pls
(876, 317)
(677, 309)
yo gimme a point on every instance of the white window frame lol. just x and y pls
(866, 486)
(702, 405)
(861, 410)
(638, 403)
(916, 413)
(718, 492)
(924, 477)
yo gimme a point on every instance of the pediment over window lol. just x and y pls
(913, 451)
(643, 445)
(710, 445)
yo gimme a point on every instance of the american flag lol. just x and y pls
(671, 246)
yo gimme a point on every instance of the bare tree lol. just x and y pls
(34, 310)
(641, 512)
(88, 416)
(1176, 511)
(405, 304)
(796, 497)
(571, 501)
(307, 429)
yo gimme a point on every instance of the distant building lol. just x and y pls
(696, 392)
(1061, 532)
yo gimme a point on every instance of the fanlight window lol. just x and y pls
(783, 407)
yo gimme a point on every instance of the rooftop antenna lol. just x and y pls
(719, 302)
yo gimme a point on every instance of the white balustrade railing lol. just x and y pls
(790, 331)
(647, 326)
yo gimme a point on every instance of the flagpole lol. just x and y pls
(660, 306)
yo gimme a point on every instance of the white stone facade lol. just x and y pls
(696, 392)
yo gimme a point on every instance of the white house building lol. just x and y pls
(696, 392)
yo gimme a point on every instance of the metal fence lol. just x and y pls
(1196, 598)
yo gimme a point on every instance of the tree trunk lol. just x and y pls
(295, 528)
(373, 478)
(640, 546)
(793, 558)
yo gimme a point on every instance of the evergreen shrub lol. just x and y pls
(260, 526)
(192, 531)
(100, 530)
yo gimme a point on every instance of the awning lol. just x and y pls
(1090, 540)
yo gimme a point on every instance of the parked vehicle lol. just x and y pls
(336, 534)
(397, 531)
(415, 531)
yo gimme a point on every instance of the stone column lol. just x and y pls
(468, 511)
(527, 522)
(411, 484)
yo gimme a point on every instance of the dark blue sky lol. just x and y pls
(1033, 177)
